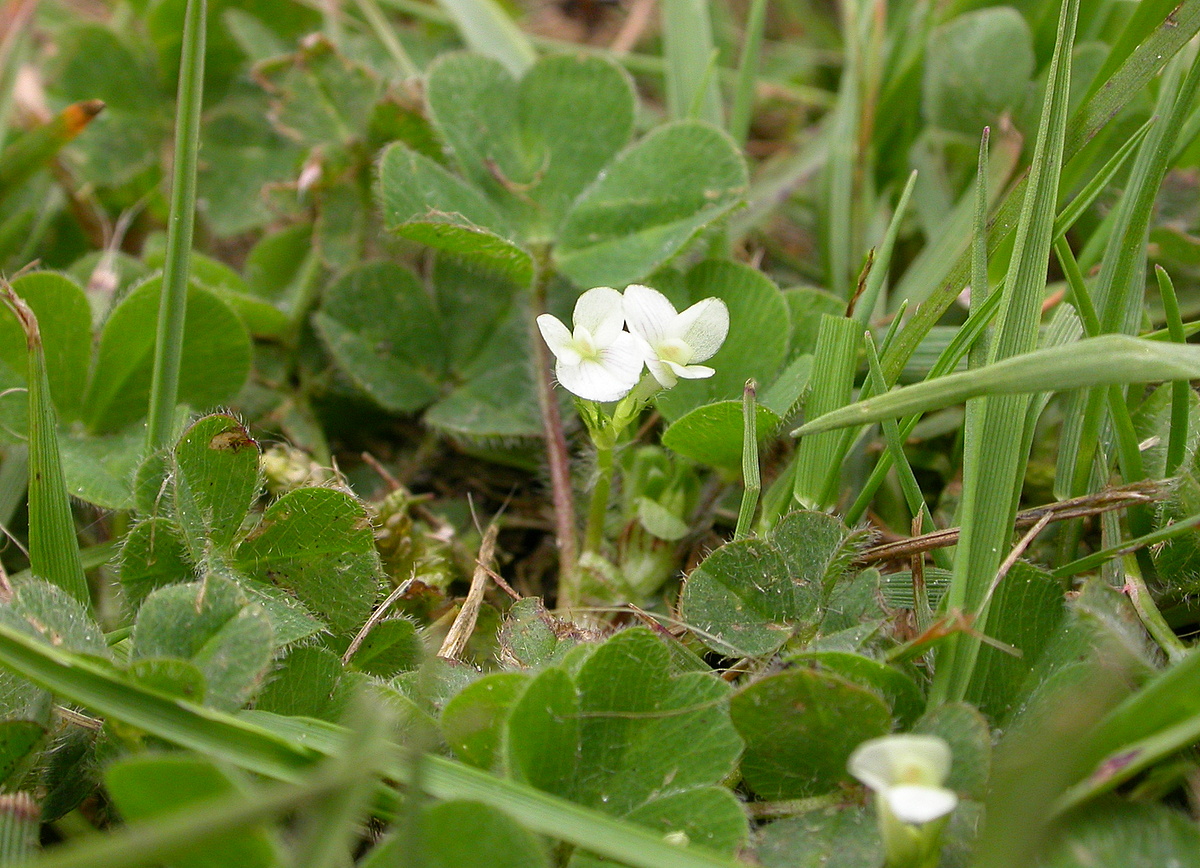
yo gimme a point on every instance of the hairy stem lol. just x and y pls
(557, 455)
(598, 506)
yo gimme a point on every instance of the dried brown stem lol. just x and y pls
(464, 625)
(375, 618)
(1077, 507)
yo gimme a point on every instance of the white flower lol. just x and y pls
(672, 341)
(599, 361)
(907, 773)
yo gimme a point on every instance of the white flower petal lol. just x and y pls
(556, 335)
(601, 312)
(692, 372)
(623, 359)
(894, 760)
(704, 326)
(649, 313)
(590, 379)
(919, 805)
(661, 372)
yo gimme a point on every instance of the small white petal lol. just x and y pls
(893, 760)
(662, 372)
(919, 805)
(556, 335)
(601, 312)
(704, 326)
(692, 372)
(649, 313)
(590, 379)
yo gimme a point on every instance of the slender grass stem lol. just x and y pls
(1095, 559)
(168, 348)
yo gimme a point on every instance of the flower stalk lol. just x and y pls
(557, 454)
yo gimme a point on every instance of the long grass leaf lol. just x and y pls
(990, 480)
(693, 89)
(152, 843)
(818, 458)
(742, 110)
(1099, 181)
(53, 547)
(1181, 390)
(1147, 14)
(865, 304)
(331, 826)
(168, 348)
(242, 741)
(841, 238)
(1101, 361)
(751, 477)
(1119, 291)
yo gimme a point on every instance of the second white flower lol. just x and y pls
(672, 342)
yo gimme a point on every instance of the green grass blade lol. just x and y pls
(1147, 15)
(1098, 182)
(53, 547)
(909, 486)
(841, 235)
(989, 482)
(20, 828)
(244, 743)
(155, 843)
(1090, 562)
(742, 110)
(948, 252)
(1180, 389)
(865, 304)
(168, 349)
(818, 458)
(693, 87)
(331, 826)
(1137, 71)
(1119, 290)
(488, 29)
(1101, 361)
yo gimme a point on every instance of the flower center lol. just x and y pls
(584, 344)
(914, 774)
(675, 350)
